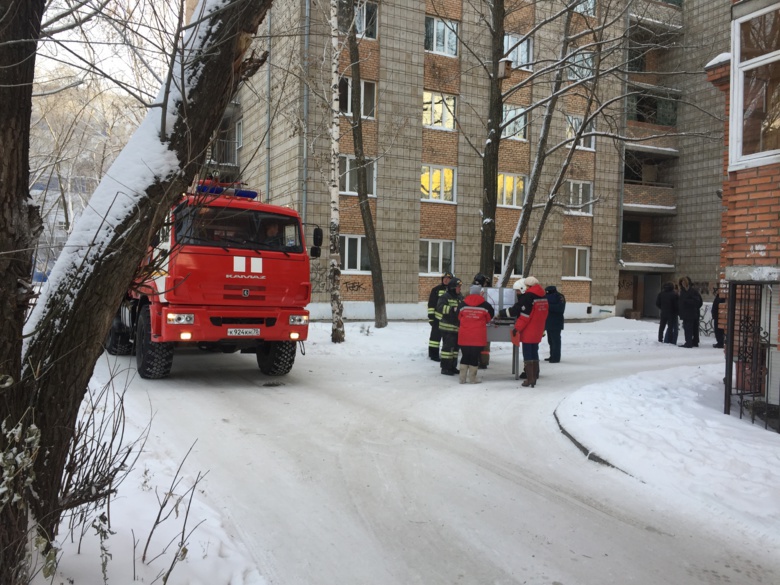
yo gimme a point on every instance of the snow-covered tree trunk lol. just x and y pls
(47, 379)
(334, 271)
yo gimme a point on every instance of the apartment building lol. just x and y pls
(629, 215)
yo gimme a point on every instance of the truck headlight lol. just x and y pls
(181, 318)
(299, 319)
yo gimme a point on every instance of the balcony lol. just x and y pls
(659, 15)
(647, 257)
(649, 198)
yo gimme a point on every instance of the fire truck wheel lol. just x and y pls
(118, 339)
(275, 358)
(153, 360)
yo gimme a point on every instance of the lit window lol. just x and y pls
(518, 51)
(367, 97)
(500, 254)
(438, 110)
(755, 90)
(587, 140)
(354, 254)
(514, 123)
(436, 256)
(441, 36)
(579, 194)
(576, 262)
(511, 190)
(348, 175)
(437, 183)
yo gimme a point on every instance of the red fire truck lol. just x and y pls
(226, 273)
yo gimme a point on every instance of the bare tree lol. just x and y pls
(43, 379)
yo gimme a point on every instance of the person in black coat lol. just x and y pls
(666, 301)
(720, 333)
(690, 302)
(556, 303)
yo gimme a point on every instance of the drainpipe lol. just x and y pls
(305, 158)
(268, 117)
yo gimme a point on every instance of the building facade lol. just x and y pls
(628, 215)
(749, 76)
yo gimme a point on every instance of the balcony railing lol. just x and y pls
(224, 153)
(650, 198)
(658, 257)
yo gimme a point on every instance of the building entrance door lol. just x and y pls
(652, 286)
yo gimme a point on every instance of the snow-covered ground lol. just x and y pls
(338, 472)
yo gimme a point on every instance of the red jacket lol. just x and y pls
(532, 309)
(474, 316)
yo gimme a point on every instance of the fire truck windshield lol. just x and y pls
(245, 229)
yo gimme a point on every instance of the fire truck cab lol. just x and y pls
(226, 273)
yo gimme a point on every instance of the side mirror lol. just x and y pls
(318, 237)
(315, 252)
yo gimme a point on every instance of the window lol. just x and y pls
(348, 175)
(576, 262)
(438, 110)
(755, 89)
(500, 253)
(581, 66)
(573, 124)
(511, 190)
(637, 61)
(652, 109)
(367, 97)
(365, 20)
(518, 51)
(239, 134)
(514, 123)
(354, 254)
(436, 256)
(441, 36)
(586, 7)
(632, 231)
(437, 183)
(580, 194)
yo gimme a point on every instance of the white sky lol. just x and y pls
(652, 410)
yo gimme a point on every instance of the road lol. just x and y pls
(365, 466)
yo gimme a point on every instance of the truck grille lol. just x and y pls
(220, 321)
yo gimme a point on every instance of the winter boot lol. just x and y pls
(473, 375)
(449, 367)
(531, 373)
(526, 375)
(462, 371)
(433, 353)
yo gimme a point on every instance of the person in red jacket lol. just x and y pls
(531, 311)
(474, 315)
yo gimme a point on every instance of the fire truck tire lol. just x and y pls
(153, 360)
(118, 339)
(276, 358)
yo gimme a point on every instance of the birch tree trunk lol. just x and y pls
(334, 271)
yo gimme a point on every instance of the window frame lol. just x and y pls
(570, 184)
(363, 84)
(577, 251)
(442, 168)
(450, 31)
(447, 115)
(578, 62)
(502, 189)
(344, 255)
(348, 173)
(571, 130)
(516, 119)
(517, 41)
(585, 7)
(441, 268)
(360, 21)
(738, 160)
(504, 251)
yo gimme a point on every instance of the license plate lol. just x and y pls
(241, 332)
